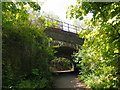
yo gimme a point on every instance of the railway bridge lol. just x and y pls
(65, 37)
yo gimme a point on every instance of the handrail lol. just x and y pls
(64, 26)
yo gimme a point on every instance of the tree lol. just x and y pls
(26, 54)
(100, 52)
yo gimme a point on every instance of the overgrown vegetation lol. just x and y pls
(100, 52)
(60, 63)
(26, 55)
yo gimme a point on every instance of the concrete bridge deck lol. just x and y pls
(64, 37)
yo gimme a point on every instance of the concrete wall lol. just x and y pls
(64, 36)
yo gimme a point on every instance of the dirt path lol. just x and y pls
(68, 80)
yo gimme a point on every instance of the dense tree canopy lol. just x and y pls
(26, 54)
(100, 52)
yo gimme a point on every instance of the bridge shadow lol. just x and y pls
(67, 52)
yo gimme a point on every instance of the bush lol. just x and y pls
(26, 54)
(100, 53)
(61, 64)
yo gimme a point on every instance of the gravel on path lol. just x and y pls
(68, 80)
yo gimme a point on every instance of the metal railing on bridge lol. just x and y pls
(62, 25)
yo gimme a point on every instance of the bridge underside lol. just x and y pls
(66, 52)
(67, 43)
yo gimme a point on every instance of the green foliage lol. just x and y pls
(100, 52)
(37, 79)
(61, 64)
(26, 54)
(39, 83)
(52, 20)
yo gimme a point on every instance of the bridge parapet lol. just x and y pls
(63, 25)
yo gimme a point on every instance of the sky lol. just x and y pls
(58, 7)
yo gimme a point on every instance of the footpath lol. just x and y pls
(68, 80)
